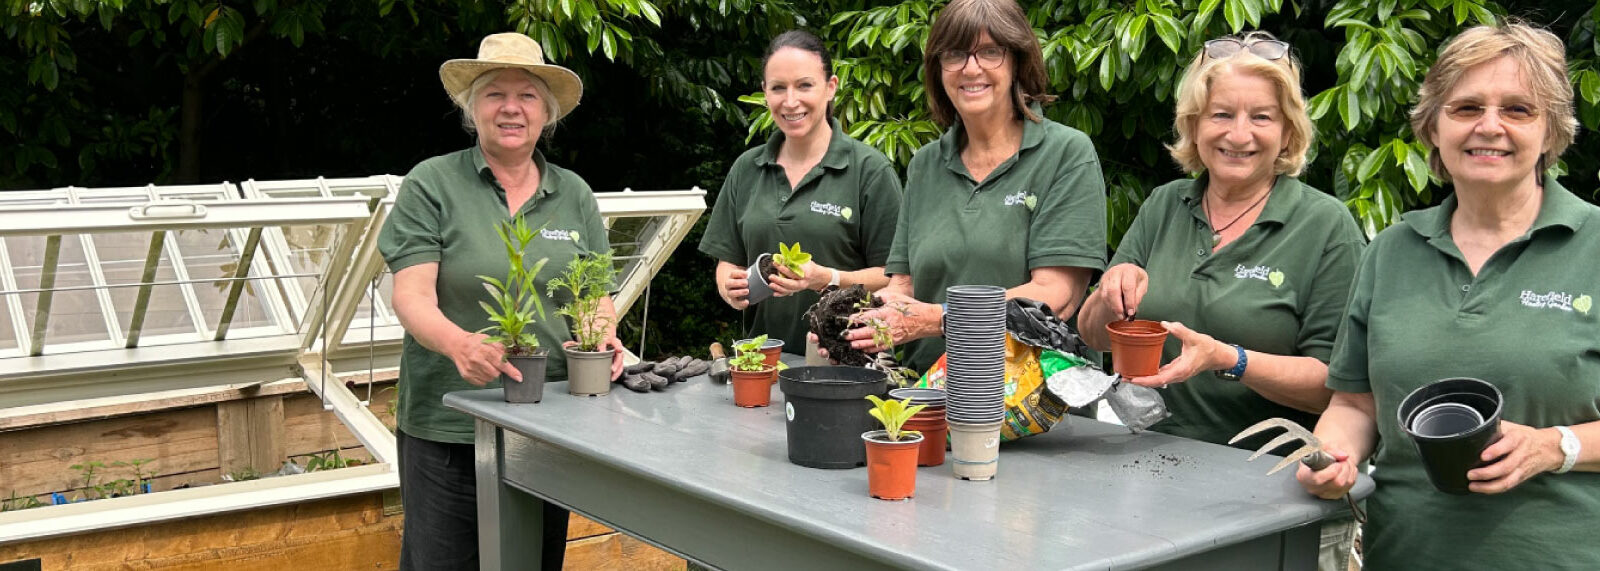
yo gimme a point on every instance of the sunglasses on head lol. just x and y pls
(1515, 113)
(1223, 48)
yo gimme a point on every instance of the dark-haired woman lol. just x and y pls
(810, 184)
(1006, 197)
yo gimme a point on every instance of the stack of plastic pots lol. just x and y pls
(975, 370)
(929, 421)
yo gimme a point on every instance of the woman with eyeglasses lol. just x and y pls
(1247, 267)
(810, 184)
(1006, 197)
(1496, 283)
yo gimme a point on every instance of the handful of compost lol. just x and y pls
(656, 375)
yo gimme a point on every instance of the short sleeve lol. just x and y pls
(1068, 227)
(1330, 291)
(1347, 366)
(881, 198)
(721, 239)
(411, 234)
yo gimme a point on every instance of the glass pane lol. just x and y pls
(211, 254)
(8, 335)
(74, 315)
(122, 259)
(630, 237)
(309, 250)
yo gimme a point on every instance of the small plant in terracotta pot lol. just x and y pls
(752, 376)
(516, 307)
(588, 279)
(892, 452)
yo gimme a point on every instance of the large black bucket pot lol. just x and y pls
(827, 413)
(1451, 421)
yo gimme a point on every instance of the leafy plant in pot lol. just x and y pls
(752, 376)
(588, 279)
(892, 452)
(516, 308)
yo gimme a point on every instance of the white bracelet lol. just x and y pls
(833, 281)
(1570, 447)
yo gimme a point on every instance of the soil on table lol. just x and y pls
(830, 318)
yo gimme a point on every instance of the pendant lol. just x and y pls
(1216, 238)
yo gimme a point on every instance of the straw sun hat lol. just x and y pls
(512, 50)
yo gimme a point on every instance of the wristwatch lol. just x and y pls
(1238, 368)
(833, 281)
(1570, 447)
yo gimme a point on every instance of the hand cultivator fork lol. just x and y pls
(1311, 454)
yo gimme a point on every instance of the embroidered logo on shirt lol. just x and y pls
(1263, 273)
(1022, 197)
(1558, 300)
(563, 235)
(831, 209)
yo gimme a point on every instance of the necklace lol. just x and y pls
(1216, 234)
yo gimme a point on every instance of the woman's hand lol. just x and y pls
(812, 338)
(1200, 353)
(1122, 288)
(733, 285)
(901, 319)
(1521, 453)
(480, 362)
(1332, 482)
(811, 276)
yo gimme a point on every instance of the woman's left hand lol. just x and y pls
(811, 276)
(902, 318)
(1521, 453)
(1200, 353)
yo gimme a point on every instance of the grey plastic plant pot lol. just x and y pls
(1451, 421)
(759, 290)
(531, 389)
(826, 408)
(589, 372)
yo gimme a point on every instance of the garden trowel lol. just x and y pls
(719, 364)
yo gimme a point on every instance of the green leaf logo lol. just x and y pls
(1582, 304)
(846, 212)
(1276, 277)
(574, 235)
(1030, 201)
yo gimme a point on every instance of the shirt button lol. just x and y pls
(1466, 288)
(1200, 252)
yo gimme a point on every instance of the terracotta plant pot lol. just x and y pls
(891, 465)
(1136, 347)
(931, 423)
(531, 389)
(753, 388)
(589, 372)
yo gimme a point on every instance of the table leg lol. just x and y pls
(504, 511)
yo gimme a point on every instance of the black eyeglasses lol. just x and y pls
(1223, 48)
(989, 57)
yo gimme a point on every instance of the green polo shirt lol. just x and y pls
(1526, 323)
(842, 213)
(1043, 207)
(1280, 288)
(446, 212)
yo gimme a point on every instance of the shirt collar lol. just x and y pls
(1281, 202)
(1032, 135)
(836, 157)
(1558, 207)
(547, 182)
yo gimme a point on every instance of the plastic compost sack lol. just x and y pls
(1031, 408)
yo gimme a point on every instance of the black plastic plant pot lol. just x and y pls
(1451, 421)
(531, 389)
(827, 409)
(759, 290)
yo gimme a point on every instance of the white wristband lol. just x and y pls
(1570, 447)
(833, 281)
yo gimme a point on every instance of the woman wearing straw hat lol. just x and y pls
(438, 239)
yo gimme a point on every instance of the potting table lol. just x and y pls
(689, 472)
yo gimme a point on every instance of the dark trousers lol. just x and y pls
(438, 489)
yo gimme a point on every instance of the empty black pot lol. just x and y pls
(827, 409)
(1451, 421)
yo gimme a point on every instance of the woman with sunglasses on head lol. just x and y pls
(811, 185)
(1006, 197)
(1247, 267)
(1496, 283)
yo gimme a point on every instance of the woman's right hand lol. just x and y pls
(1333, 481)
(480, 362)
(734, 287)
(1122, 288)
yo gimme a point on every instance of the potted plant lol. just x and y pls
(588, 279)
(516, 307)
(892, 452)
(752, 376)
(766, 265)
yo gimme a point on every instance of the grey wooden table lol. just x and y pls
(689, 472)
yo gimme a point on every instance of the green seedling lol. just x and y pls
(15, 502)
(792, 257)
(330, 460)
(894, 414)
(748, 356)
(588, 278)
(517, 304)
